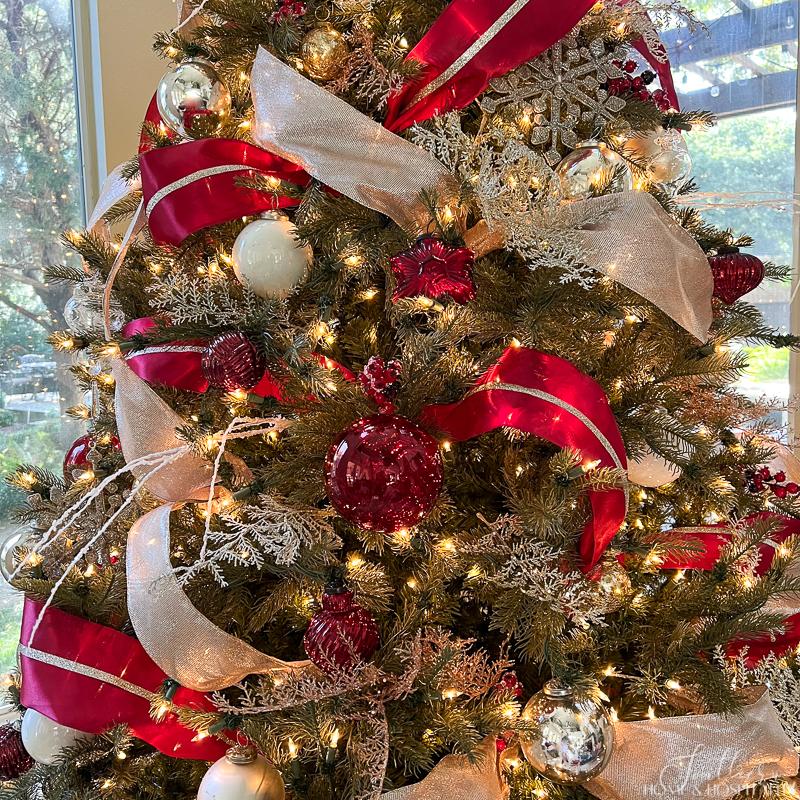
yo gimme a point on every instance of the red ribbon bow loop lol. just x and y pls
(91, 678)
(548, 397)
(191, 186)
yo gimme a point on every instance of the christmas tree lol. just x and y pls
(414, 462)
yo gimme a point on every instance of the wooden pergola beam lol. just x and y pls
(748, 63)
(775, 90)
(735, 34)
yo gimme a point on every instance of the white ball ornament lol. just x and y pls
(664, 155)
(242, 774)
(45, 739)
(653, 471)
(267, 257)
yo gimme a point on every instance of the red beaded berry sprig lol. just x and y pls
(635, 86)
(762, 480)
(380, 381)
(288, 9)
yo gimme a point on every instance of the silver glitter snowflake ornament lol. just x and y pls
(560, 89)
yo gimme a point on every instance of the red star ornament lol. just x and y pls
(434, 269)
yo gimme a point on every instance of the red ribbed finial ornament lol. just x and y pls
(233, 362)
(735, 274)
(342, 634)
(14, 759)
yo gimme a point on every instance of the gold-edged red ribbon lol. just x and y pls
(548, 397)
(91, 678)
(191, 186)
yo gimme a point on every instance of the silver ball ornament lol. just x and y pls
(267, 257)
(589, 166)
(192, 99)
(45, 739)
(568, 740)
(242, 774)
(82, 312)
(10, 545)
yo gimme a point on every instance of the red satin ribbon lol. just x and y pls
(661, 66)
(175, 364)
(550, 398)
(713, 539)
(213, 197)
(179, 364)
(90, 704)
(152, 116)
(534, 26)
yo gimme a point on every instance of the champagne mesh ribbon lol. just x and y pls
(340, 146)
(631, 239)
(455, 778)
(184, 643)
(709, 755)
(146, 425)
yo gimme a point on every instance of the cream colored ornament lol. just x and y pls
(324, 51)
(242, 774)
(653, 471)
(267, 257)
(664, 155)
(590, 166)
(45, 740)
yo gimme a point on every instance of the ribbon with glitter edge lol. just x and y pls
(92, 678)
(548, 397)
(475, 41)
(192, 186)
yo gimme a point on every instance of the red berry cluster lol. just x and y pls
(636, 86)
(288, 9)
(511, 684)
(762, 479)
(380, 381)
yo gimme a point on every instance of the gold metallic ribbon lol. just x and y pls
(340, 146)
(709, 755)
(455, 778)
(147, 425)
(184, 643)
(630, 238)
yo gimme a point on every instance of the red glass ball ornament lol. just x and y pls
(77, 457)
(231, 361)
(342, 634)
(735, 274)
(14, 759)
(384, 473)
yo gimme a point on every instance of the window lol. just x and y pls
(746, 73)
(40, 196)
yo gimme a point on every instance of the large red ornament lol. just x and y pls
(434, 269)
(233, 362)
(14, 760)
(77, 458)
(76, 461)
(342, 634)
(735, 274)
(384, 473)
